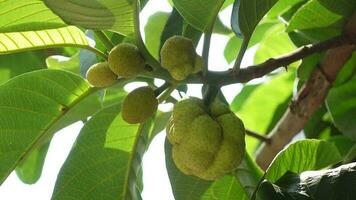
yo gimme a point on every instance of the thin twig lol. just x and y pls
(258, 136)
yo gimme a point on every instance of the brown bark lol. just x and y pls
(308, 100)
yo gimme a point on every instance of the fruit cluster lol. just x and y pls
(207, 142)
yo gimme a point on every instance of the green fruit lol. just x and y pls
(184, 113)
(178, 57)
(203, 142)
(100, 75)
(126, 61)
(198, 64)
(207, 142)
(139, 105)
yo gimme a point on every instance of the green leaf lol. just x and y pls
(160, 123)
(12, 65)
(343, 144)
(34, 106)
(221, 28)
(246, 15)
(115, 15)
(260, 106)
(314, 35)
(232, 48)
(301, 156)
(153, 31)
(338, 183)
(341, 103)
(27, 15)
(30, 169)
(346, 72)
(105, 161)
(200, 14)
(193, 188)
(258, 109)
(316, 125)
(234, 44)
(31, 40)
(313, 15)
(277, 44)
(173, 26)
(71, 64)
(281, 7)
(308, 65)
(341, 7)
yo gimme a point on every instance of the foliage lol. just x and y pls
(48, 46)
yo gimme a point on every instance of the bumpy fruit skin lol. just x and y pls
(207, 142)
(126, 61)
(100, 75)
(139, 105)
(178, 56)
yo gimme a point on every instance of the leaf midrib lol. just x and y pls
(47, 130)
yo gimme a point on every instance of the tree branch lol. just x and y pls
(308, 100)
(259, 70)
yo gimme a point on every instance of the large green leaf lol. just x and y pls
(33, 106)
(200, 14)
(301, 156)
(115, 15)
(27, 15)
(313, 15)
(341, 102)
(12, 65)
(104, 162)
(193, 188)
(247, 14)
(31, 40)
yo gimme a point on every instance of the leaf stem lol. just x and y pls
(163, 96)
(139, 42)
(206, 47)
(240, 56)
(248, 174)
(104, 39)
(96, 51)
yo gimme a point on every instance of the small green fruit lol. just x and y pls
(126, 61)
(139, 105)
(178, 57)
(100, 75)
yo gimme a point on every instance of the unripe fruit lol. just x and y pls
(198, 64)
(100, 75)
(207, 142)
(139, 105)
(178, 57)
(126, 61)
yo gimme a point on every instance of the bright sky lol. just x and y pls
(155, 178)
